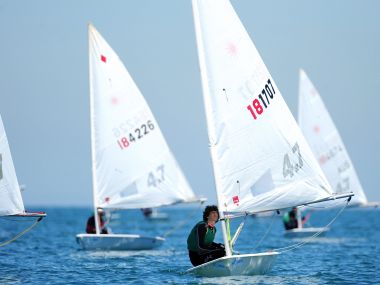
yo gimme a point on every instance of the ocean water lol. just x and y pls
(49, 254)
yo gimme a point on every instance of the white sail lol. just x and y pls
(133, 166)
(326, 143)
(10, 195)
(260, 158)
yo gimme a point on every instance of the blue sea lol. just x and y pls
(49, 254)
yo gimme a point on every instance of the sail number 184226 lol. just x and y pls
(262, 101)
(138, 134)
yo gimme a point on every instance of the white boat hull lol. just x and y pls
(158, 216)
(245, 264)
(305, 232)
(370, 205)
(117, 242)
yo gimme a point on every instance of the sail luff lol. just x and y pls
(210, 124)
(206, 95)
(92, 128)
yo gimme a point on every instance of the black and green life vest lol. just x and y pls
(208, 239)
(286, 218)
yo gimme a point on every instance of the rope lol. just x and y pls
(267, 232)
(309, 239)
(21, 233)
(238, 231)
(169, 232)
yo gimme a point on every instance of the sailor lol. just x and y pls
(91, 229)
(200, 241)
(147, 212)
(290, 219)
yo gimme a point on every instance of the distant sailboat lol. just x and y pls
(11, 203)
(132, 165)
(326, 143)
(153, 214)
(303, 232)
(261, 160)
(328, 148)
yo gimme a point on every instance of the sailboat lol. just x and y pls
(261, 161)
(304, 232)
(11, 203)
(154, 215)
(327, 145)
(132, 165)
(328, 148)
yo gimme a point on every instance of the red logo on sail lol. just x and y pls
(103, 58)
(232, 49)
(114, 100)
(322, 159)
(235, 199)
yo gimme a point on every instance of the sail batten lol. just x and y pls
(325, 141)
(133, 166)
(261, 161)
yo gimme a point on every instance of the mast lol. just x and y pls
(299, 218)
(205, 87)
(93, 166)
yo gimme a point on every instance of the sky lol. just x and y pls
(44, 84)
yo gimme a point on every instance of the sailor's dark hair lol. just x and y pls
(208, 210)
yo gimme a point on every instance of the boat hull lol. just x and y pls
(305, 232)
(118, 242)
(235, 265)
(370, 205)
(158, 217)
